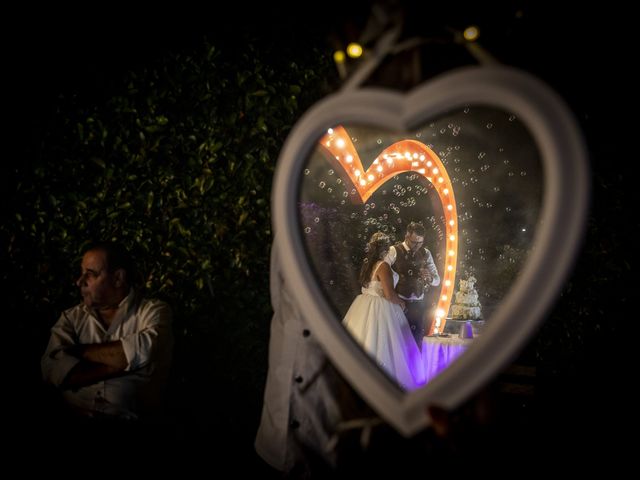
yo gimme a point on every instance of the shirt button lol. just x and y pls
(306, 332)
(299, 379)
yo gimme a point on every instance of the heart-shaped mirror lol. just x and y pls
(470, 190)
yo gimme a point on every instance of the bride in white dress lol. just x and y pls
(377, 321)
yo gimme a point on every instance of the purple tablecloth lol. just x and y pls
(439, 352)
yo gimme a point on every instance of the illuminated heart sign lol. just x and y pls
(404, 156)
(559, 221)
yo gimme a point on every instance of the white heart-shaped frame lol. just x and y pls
(562, 220)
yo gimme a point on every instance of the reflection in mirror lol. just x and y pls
(415, 237)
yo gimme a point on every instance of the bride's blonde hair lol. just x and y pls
(376, 249)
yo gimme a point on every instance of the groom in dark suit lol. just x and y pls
(414, 264)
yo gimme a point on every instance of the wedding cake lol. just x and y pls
(466, 306)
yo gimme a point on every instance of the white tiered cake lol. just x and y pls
(466, 306)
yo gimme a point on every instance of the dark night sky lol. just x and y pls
(579, 51)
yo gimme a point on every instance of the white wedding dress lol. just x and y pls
(383, 331)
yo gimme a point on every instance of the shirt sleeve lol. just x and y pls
(153, 341)
(56, 363)
(431, 266)
(301, 407)
(390, 258)
(272, 441)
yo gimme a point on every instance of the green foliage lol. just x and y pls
(176, 162)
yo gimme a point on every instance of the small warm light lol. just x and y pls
(415, 155)
(452, 237)
(357, 173)
(440, 313)
(451, 222)
(524, 229)
(450, 268)
(349, 158)
(440, 179)
(362, 182)
(354, 50)
(447, 283)
(330, 131)
(471, 33)
(328, 144)
(449, 207)
(435, 171)
(407, 155)
(422, 158)
(340, 143)
(339, 56)
(379, 168)
(445, 191)
(444, 297)
(371, 178)
(451, 253)
(429, 163)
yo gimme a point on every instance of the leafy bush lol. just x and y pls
(176, 162)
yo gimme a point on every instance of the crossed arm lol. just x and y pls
(98, 361)
(70, 364)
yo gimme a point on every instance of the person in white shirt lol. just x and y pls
(308, 406)
(110, 355)
(300, 411)
(418, 273)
